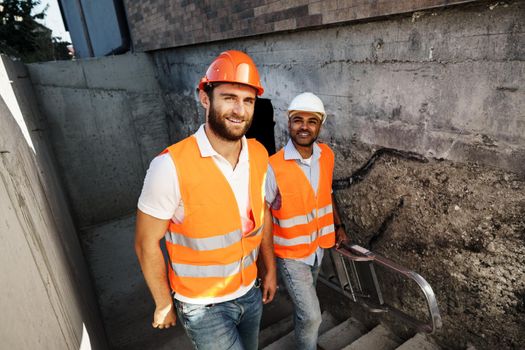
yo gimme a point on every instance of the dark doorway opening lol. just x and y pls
(263, 124)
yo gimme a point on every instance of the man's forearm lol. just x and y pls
(267, 254)
(340, 231)
(337, 219)
(149, 232)
(269, 273)
(154, 270)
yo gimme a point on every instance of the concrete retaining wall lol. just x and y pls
(47, 300)
(445, 83)
(107, 121)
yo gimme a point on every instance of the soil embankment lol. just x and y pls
(461, 226)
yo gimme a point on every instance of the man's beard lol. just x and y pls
(218, 125)
(304, 143)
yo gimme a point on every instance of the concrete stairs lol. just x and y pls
(287, 340)
(350, 334)
(126, 305)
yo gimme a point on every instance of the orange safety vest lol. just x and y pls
(305, 220)
(209, 255)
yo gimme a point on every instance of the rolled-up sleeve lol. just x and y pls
(160, 195)
(272, 191)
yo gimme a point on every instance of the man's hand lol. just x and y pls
(340, 236)
(269, 286)
(164, 317)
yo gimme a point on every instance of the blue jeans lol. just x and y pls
(300, 279)
(230, 325)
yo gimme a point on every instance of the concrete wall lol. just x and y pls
(107, 121)
(47, 300)
(444, 83)
(165, 24)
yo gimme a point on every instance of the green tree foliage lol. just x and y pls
(21, 36)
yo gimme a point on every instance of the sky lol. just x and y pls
(53, 20)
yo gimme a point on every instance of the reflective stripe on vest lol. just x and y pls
(303, 239)
(304, 221)
(209, 255)
(187, 270)
(208, 243)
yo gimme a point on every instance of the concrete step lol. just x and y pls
(281, 307)
(277, 318)
(275, 331)
(419, 342)
(287, 342)
(378, 338)
(328, 322)
(341, 335)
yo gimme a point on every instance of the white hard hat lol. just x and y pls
(307, 102)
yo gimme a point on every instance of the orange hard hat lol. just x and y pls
(233, 67)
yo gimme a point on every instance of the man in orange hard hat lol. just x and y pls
(205, 195)
(305, 220)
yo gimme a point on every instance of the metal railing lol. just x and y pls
(353, 274)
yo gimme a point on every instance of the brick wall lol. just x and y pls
(161, 24)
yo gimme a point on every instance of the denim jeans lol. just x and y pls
(300, 279)
(230, 325)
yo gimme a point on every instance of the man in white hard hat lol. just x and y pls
(305, 220)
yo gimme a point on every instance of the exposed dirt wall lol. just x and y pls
(461, 226)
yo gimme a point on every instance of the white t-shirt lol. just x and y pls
(161, 196)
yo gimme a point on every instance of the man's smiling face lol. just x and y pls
(231, 110)
(304, 128)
